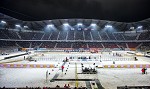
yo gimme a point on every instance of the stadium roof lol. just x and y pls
(111, 10)
(40, 25)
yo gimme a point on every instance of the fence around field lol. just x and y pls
(52, 66)
(27, 65)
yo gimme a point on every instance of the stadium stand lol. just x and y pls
(37, 35)
(77, 36)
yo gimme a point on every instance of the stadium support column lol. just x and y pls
(67, 35)
(139, 46)
(76, 75)
(50, 36)
(46, 76)
(91, 35)
(99, 36)
(83, 35)
(58, 36)
(55, 45)
(107, 35)
(114, 36)
(103, 45)
(137, 37)
(127, 45)
(87, 45)
(74, 35)
(42, 36)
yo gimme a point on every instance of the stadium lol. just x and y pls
(72, 53)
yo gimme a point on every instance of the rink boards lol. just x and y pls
(53, 66)
(126, 66)
(27, 65)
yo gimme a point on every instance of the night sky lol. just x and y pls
(113, 10)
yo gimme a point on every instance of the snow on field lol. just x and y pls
(110, 78)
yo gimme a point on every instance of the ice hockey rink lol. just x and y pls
(12, 74)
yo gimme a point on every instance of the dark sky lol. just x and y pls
(113, 10)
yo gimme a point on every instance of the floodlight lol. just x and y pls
(79, 24)
(17, 25)
(139, 27)
(66, 24)
(132, 28)
(93, 24)
(50, 25)
(3, 22)
(108, 26)
(25, 26)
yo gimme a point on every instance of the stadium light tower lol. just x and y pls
(4, 22)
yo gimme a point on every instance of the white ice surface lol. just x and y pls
(109, 78)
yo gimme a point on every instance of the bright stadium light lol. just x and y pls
(108, 26)
(17, 25)
(139, 27)
(66, 24)
(131, 28)
(79, 24)
(93, 24)
(25, 26)
(50, 25)
(3, 22)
